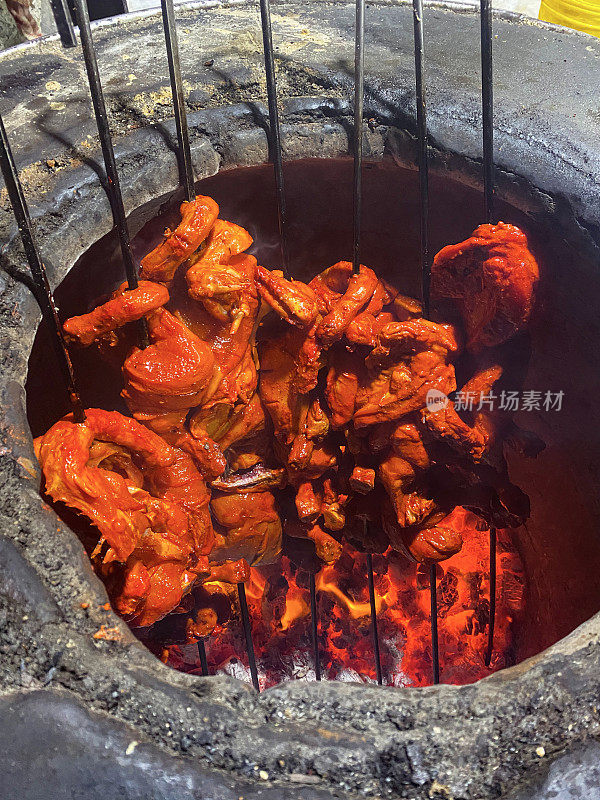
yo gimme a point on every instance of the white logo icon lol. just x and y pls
(436, 400)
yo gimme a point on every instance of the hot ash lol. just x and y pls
(279, 604)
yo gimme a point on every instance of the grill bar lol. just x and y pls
(425, 261)
(374, 618)
(274, 131)
(202, 654)
(113, 186)
(359, 87)
(184, 155)
(248, 635)
(314, 621)
(492, 621)
(487, 108)
(186, 172)
(423, 161)
(435, 651)
(38, 270)
(487, 103)
(64, 23)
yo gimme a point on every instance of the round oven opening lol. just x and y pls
(546, 568)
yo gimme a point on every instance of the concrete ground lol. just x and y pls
(530, 7)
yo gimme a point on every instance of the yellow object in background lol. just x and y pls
(583, 15)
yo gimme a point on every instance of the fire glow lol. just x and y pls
(279, 604)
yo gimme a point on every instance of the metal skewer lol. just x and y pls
(38, 270)
(490, 643)
(374, 617)
(248, 635)
(202, 654)
(64, 23)
(113, 187)
(314, 619)
(423, 161)
(274, 131)
(435, 652)
(487, 107)
(184, 155)
(186, 172)
(425, 262)
(359, 85)
(487, 101)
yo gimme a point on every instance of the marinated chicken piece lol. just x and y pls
(242, 431)
(410, 497)
(411, 359)
(320, 498)
(343, 310)
(362, 479)
(294, 301)
(201, 610)
(327, 548)
(124, 306)
(247, 526)
(365, 328)
(311, 427)
(473, 440)
(233, 572)
(344, 376)
(231, 340)
(287, 373)
(309, 501)
(405, 308)
(221, 291)
(228, 424)
(490, 278)
(423, 544)
(313, 462)
(352, 304)
(207, 455)
(332, 509)
(417, 525)
(156, 536)
(197, 219)
(172, 426)
(177, 371)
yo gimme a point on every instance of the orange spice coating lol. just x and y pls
(124, 306)
(197, 219)
(491, 278)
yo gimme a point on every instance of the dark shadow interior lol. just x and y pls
(560, 546)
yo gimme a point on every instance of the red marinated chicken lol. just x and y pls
(314, 418)
(491, 279)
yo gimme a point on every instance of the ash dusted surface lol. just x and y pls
(571, 777)
(65, 690)
(52, 747)
(549, 133)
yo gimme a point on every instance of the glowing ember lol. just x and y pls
(279, 604)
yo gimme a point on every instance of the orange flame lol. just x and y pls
(327, 582)
(278, 600)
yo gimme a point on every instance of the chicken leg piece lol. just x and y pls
(124, 306)
(197, 219)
